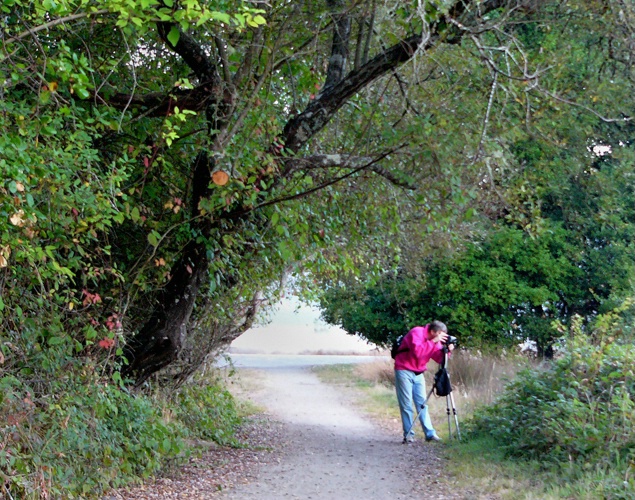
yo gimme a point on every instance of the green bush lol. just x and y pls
(84, 440)
(208, 412)
(575, 416)
(68, 431)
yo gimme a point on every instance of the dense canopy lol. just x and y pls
(166, 165)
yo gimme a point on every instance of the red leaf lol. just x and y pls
(106, 343)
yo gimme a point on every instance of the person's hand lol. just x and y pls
(451, 347)
(441, 337)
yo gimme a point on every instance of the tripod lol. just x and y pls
(449, 398)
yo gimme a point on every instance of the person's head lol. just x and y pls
(436, 328)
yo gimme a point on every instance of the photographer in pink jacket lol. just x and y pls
(419, 345)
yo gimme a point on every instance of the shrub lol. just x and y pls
(578, 412)
(81, 441)
(68, 429)
(208, 412)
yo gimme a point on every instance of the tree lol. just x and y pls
(116, 116)
(554, 236)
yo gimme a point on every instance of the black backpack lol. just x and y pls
(394, 348)
(442, 386)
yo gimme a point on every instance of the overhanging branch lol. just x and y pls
(347, 161)
(299, 130)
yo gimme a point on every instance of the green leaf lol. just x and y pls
(221, 16)
(174, 35)
(154, 238)
(135, 215)
(81, 92)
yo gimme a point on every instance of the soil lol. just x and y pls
(311, 442)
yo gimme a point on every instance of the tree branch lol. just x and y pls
(161, 104)
(191, 52)
(339, 46)
(355, 162)
(55, 22)
(319, 111)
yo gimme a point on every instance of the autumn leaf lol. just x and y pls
(220, 178)
(5, 253)
(17, 219)
(106, 343)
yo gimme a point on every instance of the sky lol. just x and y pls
(295, 328)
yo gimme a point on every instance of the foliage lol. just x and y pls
(94, 436)
(507, 287)
(158, 171)
(88, 439)
(69, 429)
(207, 411)
(575, 415)
(543, 182)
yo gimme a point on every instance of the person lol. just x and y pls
(418, 346)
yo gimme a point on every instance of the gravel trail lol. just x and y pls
(333, 452)
(311, 443)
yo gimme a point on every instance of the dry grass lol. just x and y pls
(476, 379)
(377, 372)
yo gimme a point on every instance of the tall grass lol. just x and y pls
(476, 378)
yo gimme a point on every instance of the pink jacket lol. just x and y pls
(416, 350)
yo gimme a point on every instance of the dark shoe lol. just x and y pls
(408, 440)
(433, 438)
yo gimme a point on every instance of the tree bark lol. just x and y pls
(160, 340)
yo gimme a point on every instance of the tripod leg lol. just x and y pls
(447, 410)
(456, 417)
(419, 412)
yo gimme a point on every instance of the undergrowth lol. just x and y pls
(574, 418)
(69, 430)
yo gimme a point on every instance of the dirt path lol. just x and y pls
(331, 451)
(311, 443)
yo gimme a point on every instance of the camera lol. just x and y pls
(451, 340)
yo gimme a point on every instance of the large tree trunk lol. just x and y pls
(161, 338)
